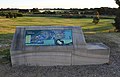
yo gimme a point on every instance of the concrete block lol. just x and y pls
(29, 48)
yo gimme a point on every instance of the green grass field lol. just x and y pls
(9, 25)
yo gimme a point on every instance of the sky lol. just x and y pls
(24, 4)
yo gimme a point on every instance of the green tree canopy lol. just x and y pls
(117, 19)
(118, 2)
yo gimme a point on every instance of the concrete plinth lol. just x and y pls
(61, 45)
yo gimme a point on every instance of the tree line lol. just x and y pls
(85, 11)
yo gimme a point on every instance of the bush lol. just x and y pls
(2, 14)
(15, 16)
(83, 16)
(7, 16)
(117, 19)
(11, 15)
(96, 20)
(19, 15)
(117, 24)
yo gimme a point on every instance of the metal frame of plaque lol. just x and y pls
(55, 45)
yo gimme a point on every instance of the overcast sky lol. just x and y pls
(57, 3)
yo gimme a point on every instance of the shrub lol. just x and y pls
(15, 16)
(11, 15)
(19, 15)
(96, 20)
(117, 19)
(7, 16)
(2, 14)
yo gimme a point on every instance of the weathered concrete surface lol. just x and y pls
(80, 53)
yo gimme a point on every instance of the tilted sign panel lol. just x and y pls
(48, 37)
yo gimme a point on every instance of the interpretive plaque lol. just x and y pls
(55, 45)
(48, 37)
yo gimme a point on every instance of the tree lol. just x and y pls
(11, 15)
(14, 15)
(117, 19)
(23, 11)
(118, 2)
(34, 10)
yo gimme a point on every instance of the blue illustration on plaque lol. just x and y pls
(48, 37)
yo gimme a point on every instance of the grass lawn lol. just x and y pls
(8, 25)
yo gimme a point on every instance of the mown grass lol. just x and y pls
(9, 25)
